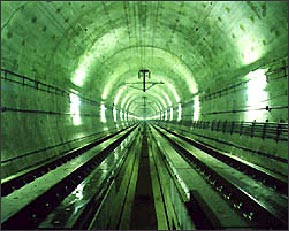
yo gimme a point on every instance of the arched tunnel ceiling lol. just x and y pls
(97, 48)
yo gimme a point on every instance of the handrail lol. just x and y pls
(11, 76)
(269, 130)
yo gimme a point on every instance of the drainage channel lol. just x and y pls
(143, 214)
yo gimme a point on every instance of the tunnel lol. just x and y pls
(144, 115)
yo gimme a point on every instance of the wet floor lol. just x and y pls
(143, 215)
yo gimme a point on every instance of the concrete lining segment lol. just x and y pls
(201, 40)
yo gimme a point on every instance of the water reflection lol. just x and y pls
(78, 193)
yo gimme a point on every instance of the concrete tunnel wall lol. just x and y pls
(52, 127)
(47, 42)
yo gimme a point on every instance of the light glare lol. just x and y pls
(74, 108)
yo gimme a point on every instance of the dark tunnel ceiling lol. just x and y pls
(97, 48)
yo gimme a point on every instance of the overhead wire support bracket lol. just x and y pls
(144, 73)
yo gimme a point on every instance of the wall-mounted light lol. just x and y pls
(179, 112)
(196, 108)
(257, 95)
(74, 108)
(102, 112)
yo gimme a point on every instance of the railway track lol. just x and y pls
(108, 184)
(267, 177)
(27, 200)
(194, 185)
(18, 182)
(258, 202)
